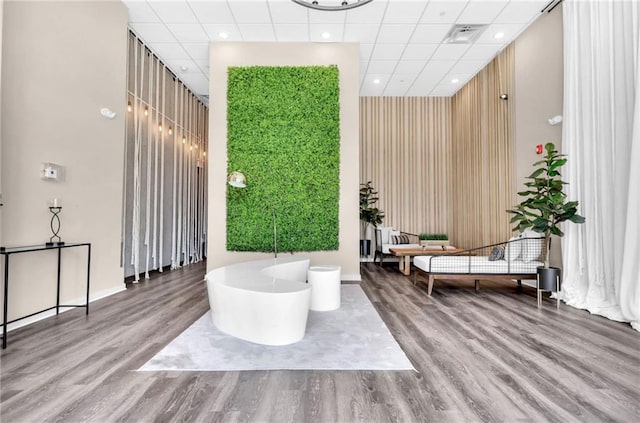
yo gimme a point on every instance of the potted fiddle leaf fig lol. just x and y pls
(369, 215)
(545, 207)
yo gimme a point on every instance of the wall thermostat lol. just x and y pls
(52, 172)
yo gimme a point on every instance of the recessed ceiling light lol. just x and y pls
(454, 81)
(498, 35)
(376, 81)
(326, 35)
(183, 68)
(223, 35)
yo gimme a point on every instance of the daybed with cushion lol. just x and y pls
(387, 237)
(516, 259)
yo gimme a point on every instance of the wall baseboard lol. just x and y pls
(351, 277)
(45, 314)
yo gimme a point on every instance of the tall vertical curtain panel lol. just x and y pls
(283, 129)
(601, 135)
(165, 168)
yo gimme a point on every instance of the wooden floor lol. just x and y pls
(490, 355)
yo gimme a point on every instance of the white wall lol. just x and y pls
(345, 56)
(539, 84)
(62, 62)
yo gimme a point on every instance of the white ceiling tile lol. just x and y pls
(481, 52)
(177, 64)
(257, 32)
(395, 33)
(176, 11)
(481, 11)
(461, 79)
(362, 33)
(371, 13)
(365, 51)
(168, 51)
(399, 11)
(419, 51)
(402, 78)
(450, 51)
(255, 11)
(410, 66)
(443, 91)
(368, 88)
(334, 30)
(395, 89)
(443, 12)
(211, 11)
(421, 87)
(214, 30)
(436, 69)
(188, 33)
(323, 16)
(430, 33)
(203, 64)
(197, 82)
(197, 50)
(468, 66)
(153, 32)
(287, 12)
(140, 11)
(387, 51)
(292, 32)
(509, 31)
(381, 66)
(394, 47)
(521, 11)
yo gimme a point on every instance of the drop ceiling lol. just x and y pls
(402, 48)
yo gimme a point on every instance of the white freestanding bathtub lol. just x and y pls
(263, 301)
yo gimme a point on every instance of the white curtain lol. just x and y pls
(601, 136)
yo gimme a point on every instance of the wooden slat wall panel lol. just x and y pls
(445, 164)
(482, 151)
(404, 150)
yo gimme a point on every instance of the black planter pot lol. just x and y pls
(365, 247)
(549, 278)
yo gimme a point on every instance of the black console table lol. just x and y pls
(7, 252)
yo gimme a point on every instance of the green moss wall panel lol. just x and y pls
(283, 129)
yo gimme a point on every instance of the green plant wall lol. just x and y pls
(283, 133)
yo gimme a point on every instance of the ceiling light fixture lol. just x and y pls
(498, 35)
(454, 81)
(326, 35)
(339, 4)
(376, 81)
(223, 35)
(184, 68)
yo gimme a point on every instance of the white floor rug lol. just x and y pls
(354, 337)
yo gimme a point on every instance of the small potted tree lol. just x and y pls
(369, 215)
(545, 207)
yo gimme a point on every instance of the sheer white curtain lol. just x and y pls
(601, 136)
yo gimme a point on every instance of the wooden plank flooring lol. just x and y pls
(490, 355)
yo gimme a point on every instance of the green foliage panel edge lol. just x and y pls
(283, 133)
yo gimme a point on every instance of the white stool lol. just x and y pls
(325, 287)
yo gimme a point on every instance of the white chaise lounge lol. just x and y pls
(264, 301)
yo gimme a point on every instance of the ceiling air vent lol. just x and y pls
(464, 34)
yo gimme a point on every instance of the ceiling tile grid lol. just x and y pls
(403, 51)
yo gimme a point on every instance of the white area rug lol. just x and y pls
(354, 337)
